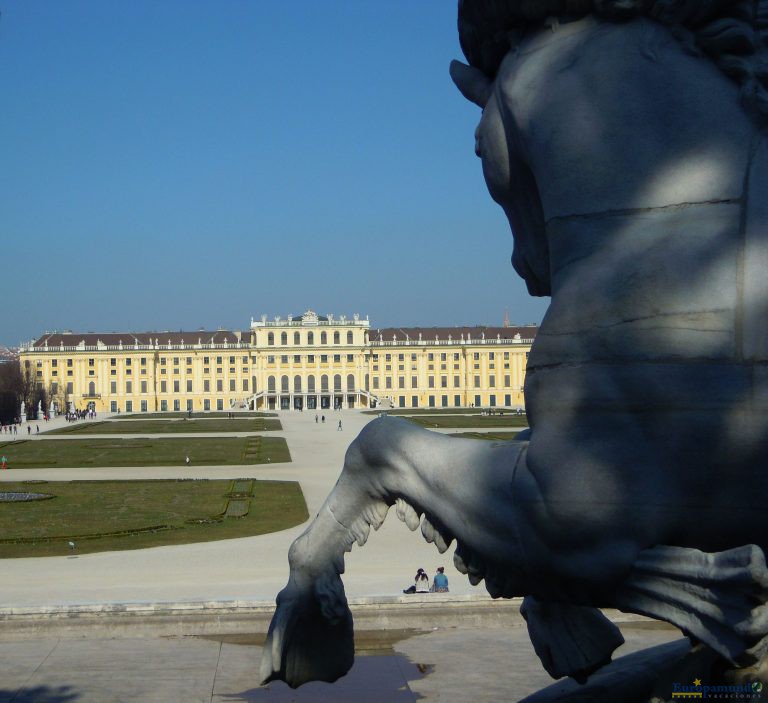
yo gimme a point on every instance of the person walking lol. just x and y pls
(4, 461)
(316, 419)
(323, 419)
(339, 427)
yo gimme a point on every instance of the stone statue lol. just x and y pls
(39, 409)
(625, 141)
(23, 412)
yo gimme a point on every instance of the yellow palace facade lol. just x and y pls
(307, 362)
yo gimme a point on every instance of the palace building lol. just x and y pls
(294, 363)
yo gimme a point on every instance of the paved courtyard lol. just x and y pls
(433, 661)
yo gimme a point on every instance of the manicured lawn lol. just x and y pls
(114, 515)
(497, 436)
(214, 414)
(170, 426)
(470, 421)
(171, 451)
(426, 411)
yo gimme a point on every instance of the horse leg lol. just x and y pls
(462, 486)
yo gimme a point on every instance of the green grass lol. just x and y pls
(115, 515)
(214, 414)
(426, 411)
(170, 426)
(497, 436)
(430, 421)
(171, 451)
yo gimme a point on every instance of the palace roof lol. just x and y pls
(428, 334)
(90, 339)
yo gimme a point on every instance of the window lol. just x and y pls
(284, 359)
(388, 357)
(444, 401)
(388, 381)
(129, 406)
(431, 401)
(431, 381)
(163, 386)
(70, 388)
(189, 405)
(113, 361)
(337, 358)
(350, 358)
(492, 356)
(430, 356)
(443, 356)
(284, 338)
(414, 381)
(175, 386)
(492, 381)
(414, 401)
(231, 359)
(270, 341)
(311, 359)
(456, 356)
(219, 404)
(492, 401)
(443, 381)
(323, 358)
(296, 338)
(508, 400)
(323, 338)
(143, 386)
(129, 387)
(296, 358)
(476, 356)
(218, 360)
(401, 382)
(231, 384)
(506, 355)
(143, 361)
(177, 405)
(143, 406)
(113, 387)
(189, 386)
(113, 406)
(206, 386)
(456, 381)
(336, 338)
(91, 362)
(477, 401)
(270, 359)
(271, 384)
(163, 405)
(457, 400)
(219, 386)
(69, 362)
(54, 388)
(310, 337)
(506, 381)
(189, 360)
(349, 338)
(162, 361)
(206, 404)
(375, 383)
(175, 360)
(206, 360)
(245, 384)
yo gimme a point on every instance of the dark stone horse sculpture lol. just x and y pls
(625, 141)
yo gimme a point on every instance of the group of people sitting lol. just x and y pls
(422, 585)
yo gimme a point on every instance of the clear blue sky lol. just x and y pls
(178, 164)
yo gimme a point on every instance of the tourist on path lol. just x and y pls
(4, 461)
(339, 427)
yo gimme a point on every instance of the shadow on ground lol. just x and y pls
(40, 694)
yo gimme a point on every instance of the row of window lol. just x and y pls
(443, 382)
(113, 407)
(310, 338)
(444, 401)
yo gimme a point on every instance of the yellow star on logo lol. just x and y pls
(697, 682)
